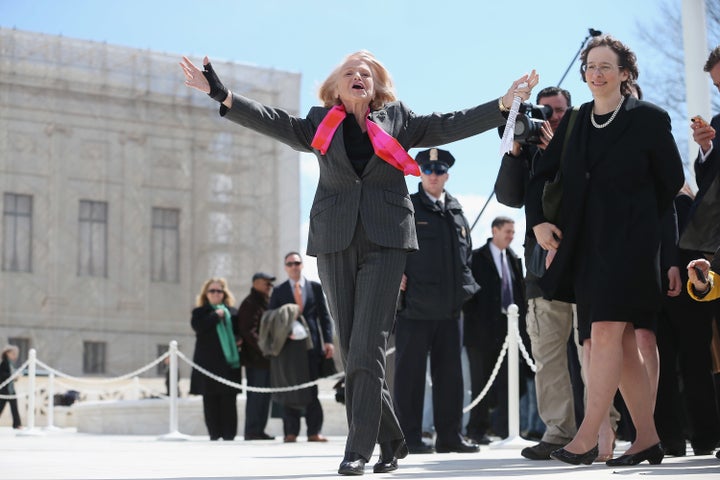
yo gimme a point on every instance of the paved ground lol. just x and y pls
(65, 454)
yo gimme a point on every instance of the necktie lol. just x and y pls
(506, 294)
(439, 203)
(385, 146)
(297, 293)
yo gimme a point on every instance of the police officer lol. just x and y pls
(436, 283)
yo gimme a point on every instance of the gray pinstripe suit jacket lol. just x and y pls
(379, 197)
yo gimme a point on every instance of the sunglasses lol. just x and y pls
(293, 264)
(215, 291)
(435, 167)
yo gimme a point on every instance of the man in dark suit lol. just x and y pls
(498, 271)
(436, 283)
(257, 365)
(309, 296)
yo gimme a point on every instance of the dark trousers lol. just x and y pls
(414, 339)
(221, 415)
(684, 336)
(257, 406)
(362, 284)
(482, 361)
(13, 410)
(313, 412)
(313, 418)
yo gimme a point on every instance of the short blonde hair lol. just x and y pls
(202, 299)
(384, 89)
(10, 348)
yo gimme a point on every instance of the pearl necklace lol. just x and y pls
(612, 117)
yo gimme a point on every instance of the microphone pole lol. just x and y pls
(591, 33)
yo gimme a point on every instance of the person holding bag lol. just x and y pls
(621, 172)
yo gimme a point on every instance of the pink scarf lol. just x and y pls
(385, 146)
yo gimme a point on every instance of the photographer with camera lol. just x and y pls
(533, 132)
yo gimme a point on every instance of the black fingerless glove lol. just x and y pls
(218, 91)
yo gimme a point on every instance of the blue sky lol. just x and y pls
(443, 55)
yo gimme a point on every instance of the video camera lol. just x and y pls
(528, 122)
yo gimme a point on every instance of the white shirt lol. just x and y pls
(441, 199)
(498, 260)
(298, 330)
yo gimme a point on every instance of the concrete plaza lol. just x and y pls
(66, 454)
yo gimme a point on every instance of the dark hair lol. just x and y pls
(712, 60)
(291, 253)
(551, 92)
(500, 221)
(626, 59)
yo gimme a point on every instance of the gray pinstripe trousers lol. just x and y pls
(362, 284)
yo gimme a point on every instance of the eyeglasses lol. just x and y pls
(215, 291)
(603, 68)
(435, 167)
(293, 264)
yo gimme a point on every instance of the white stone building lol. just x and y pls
(122, 190)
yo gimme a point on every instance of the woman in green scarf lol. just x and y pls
(216, 349)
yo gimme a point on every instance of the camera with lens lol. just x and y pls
(528, 122)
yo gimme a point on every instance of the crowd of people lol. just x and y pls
(603, 308)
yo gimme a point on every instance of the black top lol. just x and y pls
(357, 144)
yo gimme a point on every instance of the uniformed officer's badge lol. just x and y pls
(462, 231)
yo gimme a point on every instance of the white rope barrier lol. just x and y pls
(240, 386)
(127, 376)
(491, 380)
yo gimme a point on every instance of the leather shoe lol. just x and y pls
(317, 438)
(389, 454)
(290, 439)
(480, 440)
(653, 454)
(675, 449)
(462, 446)
(259, 436)
(541, 451)
(420, 448)
(586, 458)
(352, 464)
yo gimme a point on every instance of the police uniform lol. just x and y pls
(439, 281)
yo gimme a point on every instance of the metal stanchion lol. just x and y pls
(32, 371)
(514, 440)
(173, 386)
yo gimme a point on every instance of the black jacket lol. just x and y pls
(248, 323)
(208, 353)
(439, 280)
(484, 323)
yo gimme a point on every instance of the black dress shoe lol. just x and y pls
(675, 448)
(653, 454)
(480, 439)
(259, 436)
(352, 464)
(586, 458)
(389, 454)
(541, 451)
(461, 447)
(420, 448)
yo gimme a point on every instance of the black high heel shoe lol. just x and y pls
(390, 452)
(653, 454)
(586, 458)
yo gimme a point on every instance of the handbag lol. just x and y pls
(327, 365)
(553, 189)
(536, 262)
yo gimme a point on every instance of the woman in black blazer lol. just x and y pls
(621, 170)
(361, 220)
(214, 321)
